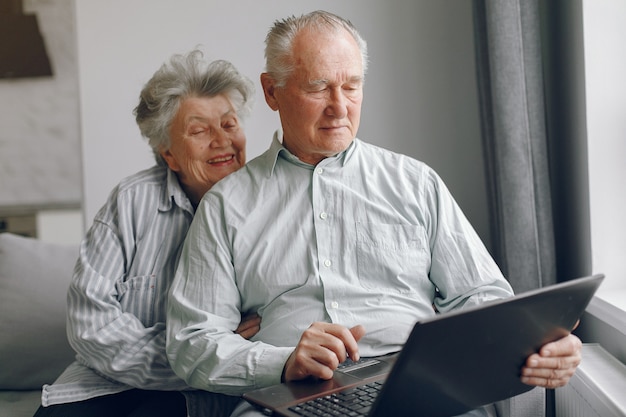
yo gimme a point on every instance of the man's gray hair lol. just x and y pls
(185, 76)
(279, 41)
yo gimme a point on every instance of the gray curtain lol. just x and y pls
(511, 92)
(530, 72)
(564, 81)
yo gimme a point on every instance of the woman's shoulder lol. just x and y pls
(144, 184)
(155, 175)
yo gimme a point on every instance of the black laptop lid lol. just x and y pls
(460, 361)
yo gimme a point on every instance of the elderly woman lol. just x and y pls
(191, 113)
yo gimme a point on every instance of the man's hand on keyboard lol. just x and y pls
(322, 347)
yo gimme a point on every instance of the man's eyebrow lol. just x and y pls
(324, 81)
(356, 79)
(321, 81)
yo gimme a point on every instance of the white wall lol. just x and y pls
(605, 69)
(39, 138)
(420, 95)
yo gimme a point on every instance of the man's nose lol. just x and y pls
(337, 104)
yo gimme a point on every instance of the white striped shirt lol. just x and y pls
(117, 300)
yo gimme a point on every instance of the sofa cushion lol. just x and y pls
(19, 403)
(34, 277)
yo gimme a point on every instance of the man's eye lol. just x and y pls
(318, 92)
(316, 88)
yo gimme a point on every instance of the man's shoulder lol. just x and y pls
(253, 172)
(388, 158)
(235, 189)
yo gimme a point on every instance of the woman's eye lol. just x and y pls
(229, 125)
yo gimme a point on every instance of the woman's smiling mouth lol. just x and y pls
(221, 159)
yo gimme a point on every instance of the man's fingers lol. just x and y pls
(313, 363)
(322, 347)
(352, 350)
(536, 361)
(340, 343)
(547, 377)
(567, 346)
(555, 364)
(358, 332)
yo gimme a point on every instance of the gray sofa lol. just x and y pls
(34, 276)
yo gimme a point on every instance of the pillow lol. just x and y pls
(34, 277)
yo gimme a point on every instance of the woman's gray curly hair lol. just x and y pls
(181, 77)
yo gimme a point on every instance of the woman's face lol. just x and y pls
(207, 143)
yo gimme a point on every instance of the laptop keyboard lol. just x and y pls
(352, 402)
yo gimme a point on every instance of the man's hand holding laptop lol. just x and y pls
(555, 363)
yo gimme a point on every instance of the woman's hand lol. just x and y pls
(249, 326)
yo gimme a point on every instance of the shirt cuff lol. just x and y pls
(270, 366)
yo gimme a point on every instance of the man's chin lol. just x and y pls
(340, 144)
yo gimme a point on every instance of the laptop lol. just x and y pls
(450, 364)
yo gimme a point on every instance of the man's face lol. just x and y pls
(207, 143)
(320, 105)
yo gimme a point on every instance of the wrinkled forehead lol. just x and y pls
(318, 52)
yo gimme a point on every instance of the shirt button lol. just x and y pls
(319, 171)
(334, 304)
(323, 215)
(327, 263)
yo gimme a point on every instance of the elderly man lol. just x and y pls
(339, 245)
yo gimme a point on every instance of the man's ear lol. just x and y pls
(170, 160)
(269, 90)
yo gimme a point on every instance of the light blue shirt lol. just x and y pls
(365, 237)
(118, 295)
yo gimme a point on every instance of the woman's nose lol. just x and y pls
(220, 139)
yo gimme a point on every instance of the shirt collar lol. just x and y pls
(174, 194)
(277, 150)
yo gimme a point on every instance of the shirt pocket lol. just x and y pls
(136, 296)
(392, 258)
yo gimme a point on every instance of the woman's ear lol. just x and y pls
(269, 90)
(170, 160)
